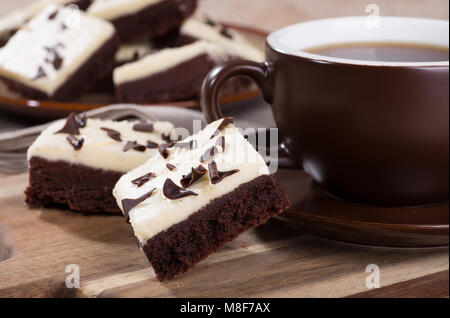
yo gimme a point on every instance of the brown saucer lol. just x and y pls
(317, 213)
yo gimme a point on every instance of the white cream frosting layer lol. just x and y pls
(129, 51)
(166, 59)
(25, 52)
(112, 9)
(99, 150)
(158, 213)
(237, 45)
(15, 19)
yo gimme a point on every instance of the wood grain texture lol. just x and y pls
(433, 286)
(269, 261)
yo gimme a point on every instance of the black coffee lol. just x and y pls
(384, 52)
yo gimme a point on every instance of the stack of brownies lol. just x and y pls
(141, 51)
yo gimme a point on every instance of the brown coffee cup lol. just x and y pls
(366, 131)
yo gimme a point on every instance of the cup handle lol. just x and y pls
(261, 74)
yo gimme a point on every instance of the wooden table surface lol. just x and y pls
(41, 243)
(272, 260)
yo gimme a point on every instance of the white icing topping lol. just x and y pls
(158, 213)
(26, 51)
(237, 45)
(166, 59)
(15, 19)
(112, 9)
(128, 52)
(99, 150)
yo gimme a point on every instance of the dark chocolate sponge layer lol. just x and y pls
(79, 187)
(182, 82)
(183, 245)
(155, 20)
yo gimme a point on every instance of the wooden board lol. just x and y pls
(269, 261)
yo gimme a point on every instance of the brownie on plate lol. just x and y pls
(176, 65)
(76, 162)
(59, 54)
(14, 20)
(196, 196)
(142, 19)
(168, 75)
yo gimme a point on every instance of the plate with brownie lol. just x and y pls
(60, 56)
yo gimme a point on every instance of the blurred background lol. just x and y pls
(272, 14)
(267, 16)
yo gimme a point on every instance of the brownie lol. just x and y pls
(196, 196)
(178, 249)
(98, 66)
(76, 162)
(44, 61)
(171, 74)
(182, 82)
(14, 20)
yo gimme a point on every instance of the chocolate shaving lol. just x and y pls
(55, 58)
(144, 179)
(170, 166)
(164, 149)
(57, 61)
(152, 145)
(194, 175)
(135, 146)
(75, 142)
(130, 204)
(136, 56)
(53, 15)
(166, 137)
(143, 127)
(63, 26)
(113, 134)
(215, 175)
(210, 22)
(40, 73)
(221, 142)
(173, 192)
(225, 122)
(73, 124)
(187, 145)
(209, 154)
(226, 33)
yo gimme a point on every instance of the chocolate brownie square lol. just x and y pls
(168, 75)
(59, 54)
(15, 19)
(196, 196)
(76, 162)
